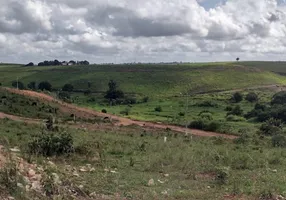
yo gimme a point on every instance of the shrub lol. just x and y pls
(51, 144)
(279, 98)
(204, 125)
(87, 92)
(237, 97)
(207, 104)
(213, 126)
(278, 141)
(234, 118)
(104, 111)
(45, 85)
(181, 114)
(32, 85)
(18, 84)
(236, 111)
(64, 96)
(251, 97)
(145, 99)
(222, 175)
(271, 127)
(126, 111)
(228, 108)
(158, 109)
(68, 88)
(113, 92)
(130, 100)
(206, 115)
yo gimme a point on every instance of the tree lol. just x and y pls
(113, 93)
(237, 59)
(32, 85)
(68, 88)
(29, 64)
(45, 85)
(271, 127)
(279, 98)
(237, 97)
(18, 84)
(251, 97)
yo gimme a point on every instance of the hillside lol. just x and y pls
(148, 80)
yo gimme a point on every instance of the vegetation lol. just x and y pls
(45, 85)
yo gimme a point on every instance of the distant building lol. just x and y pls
(64, 63)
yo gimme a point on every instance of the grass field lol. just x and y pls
(198, 169)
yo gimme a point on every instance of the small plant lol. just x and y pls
(222, 175)
(158, 109)
(206, 115)
(145, 99)
(104, 111)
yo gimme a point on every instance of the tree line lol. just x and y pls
(58, 63)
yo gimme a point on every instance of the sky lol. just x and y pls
(119, 31)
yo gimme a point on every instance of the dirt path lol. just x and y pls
(120, 121)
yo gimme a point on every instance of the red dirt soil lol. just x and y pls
(120, 121)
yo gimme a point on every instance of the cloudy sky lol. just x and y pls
(142, 30)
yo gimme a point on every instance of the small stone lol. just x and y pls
(83, 169)
(11, 198)
(209, 187)
(75, 174)
(20, 185)
(51, 163)
(56, 178)
(93, 194)
(151, 182)
(36, 186)
(166, 175)
(80, 186)
(31, 173)
(161, 181)
(114, 172)
(15, 149)
(165, 192)
(92, 169)
(274, 170)
(106, 170)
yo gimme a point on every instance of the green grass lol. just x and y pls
(277, 67)
(146, 80)
(254, 168)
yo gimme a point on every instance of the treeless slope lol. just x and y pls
(119, 121)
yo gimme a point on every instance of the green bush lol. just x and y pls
(237, 97)
(145, 99)
(251, 97)
(45, 85)
(51, 144)
(181, 114)
(158, 109)
(68, 88)
(271, 127)
(222, 175)
(104, 111)
(207, 104)
(236, 111)
(279, 98)
(206, 115)
(18, 84)
(205, 125)
(278, 141)
(234, 118)
(228, 108)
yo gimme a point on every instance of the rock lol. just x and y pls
(75, 174)
(20, 185)
(161, 181)
(114, 172)
(106, 170)
(36, 185)
(80, 186)
(280, 197)
(92, 169)
(93, 194)
(51, 163)
(56, 179)
(15, 149)
(166, 175)
(209, 187)
(31, 173)
(151, 182)
(165, 192)
(83, 169)
(274, 170)
(11, 198)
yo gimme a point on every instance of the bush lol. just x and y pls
(213, 126)
(279, 98)
(222, 175)
(207, 104)
(251, 97)
(68, 88)
(204, 125)
(145, 99)
(113, 92)
(181, 114)
(271, 127)
(278, 141)
(237, 97)
(206, 115)
(234, 118)
(45, 85)
(87, 92)
(18, 84)
(130, 100)
(32, 85)
(52, 144)
(228, 108)
(158, 109)
(126, 111)
(64, 96)
(236, 111)
(104, 111)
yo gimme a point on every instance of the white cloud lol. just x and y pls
(149, 30)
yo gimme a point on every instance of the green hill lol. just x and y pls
(150, 80)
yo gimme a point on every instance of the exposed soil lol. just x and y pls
(118, 121)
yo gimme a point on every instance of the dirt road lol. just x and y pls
(119, 121)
